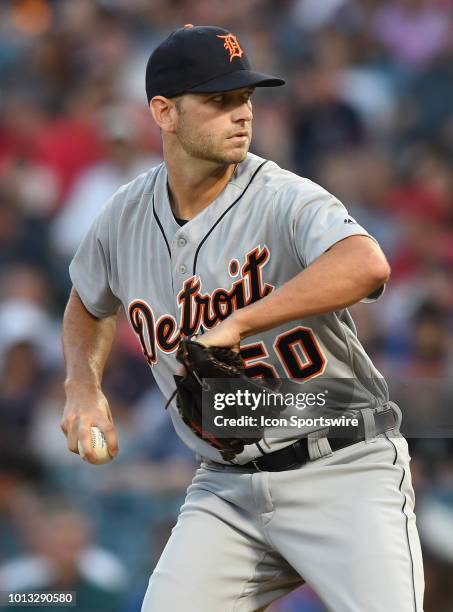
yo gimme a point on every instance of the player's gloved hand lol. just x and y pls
(209, 362)
(86, 406)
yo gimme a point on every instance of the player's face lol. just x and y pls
(216, 127)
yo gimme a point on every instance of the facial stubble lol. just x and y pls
(201, 145)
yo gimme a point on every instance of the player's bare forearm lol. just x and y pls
(86, 344)
(351, 270)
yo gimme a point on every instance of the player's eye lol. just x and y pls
(226, 99)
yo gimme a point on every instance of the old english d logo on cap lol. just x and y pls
(232, 46)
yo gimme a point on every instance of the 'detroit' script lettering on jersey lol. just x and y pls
(200, 309)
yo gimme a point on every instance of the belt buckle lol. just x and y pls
(254, 462)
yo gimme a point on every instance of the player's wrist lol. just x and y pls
(73, 386)
(242, 323)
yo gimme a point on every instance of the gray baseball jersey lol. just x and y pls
(263, 229)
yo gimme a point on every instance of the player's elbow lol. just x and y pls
(378, 270)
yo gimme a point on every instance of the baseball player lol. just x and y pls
(222, 244)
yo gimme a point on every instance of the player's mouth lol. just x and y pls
(239, 137)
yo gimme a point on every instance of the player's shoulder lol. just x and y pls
(129, 194)
(280, 184)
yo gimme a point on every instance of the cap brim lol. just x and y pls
(237, 80)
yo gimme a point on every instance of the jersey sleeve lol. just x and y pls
(318, 220)
(320, 224)
(92, 268)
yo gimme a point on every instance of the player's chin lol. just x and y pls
(237, 154)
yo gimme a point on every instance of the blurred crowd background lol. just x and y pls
(367, 112)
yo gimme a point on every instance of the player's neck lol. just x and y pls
(192, 187)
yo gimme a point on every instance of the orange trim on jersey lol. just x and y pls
(250, 361)
(301, 365)
(141, 318)
(163, 324)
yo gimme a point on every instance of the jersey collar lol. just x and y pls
(196, 228)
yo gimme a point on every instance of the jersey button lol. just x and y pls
(182, 242)
(182, 269)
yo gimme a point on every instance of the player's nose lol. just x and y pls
(243, 113)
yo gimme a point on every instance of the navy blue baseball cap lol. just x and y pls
(201, 59)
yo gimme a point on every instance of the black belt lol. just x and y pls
(297, 454)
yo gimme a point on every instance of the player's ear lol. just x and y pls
(165, 113)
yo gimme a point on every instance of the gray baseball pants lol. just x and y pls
(343, 523)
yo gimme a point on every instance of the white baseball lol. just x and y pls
(99, 445)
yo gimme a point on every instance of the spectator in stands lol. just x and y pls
(123, 160)
(62, 556)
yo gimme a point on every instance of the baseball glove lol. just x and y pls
(200, 363)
